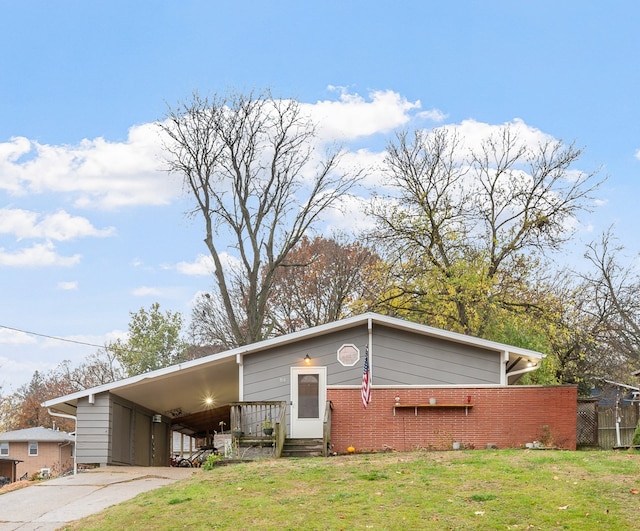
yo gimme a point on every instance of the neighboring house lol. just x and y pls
(8, 470)
(40, 451)
(309, 383)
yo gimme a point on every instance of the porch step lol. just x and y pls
(302, 448)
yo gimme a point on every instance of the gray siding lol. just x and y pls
(398, 358)
(113, 430)
(403, 358)
(267, 373)
(94, 427)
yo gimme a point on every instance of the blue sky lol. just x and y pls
(90, 230)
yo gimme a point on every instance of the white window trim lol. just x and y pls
(29, 449)
(4, 448)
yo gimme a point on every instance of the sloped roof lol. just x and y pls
(36, 434)
(184, 386)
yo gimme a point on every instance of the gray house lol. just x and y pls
(423, 381)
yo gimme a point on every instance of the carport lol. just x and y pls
(130, 421)
(8, 467)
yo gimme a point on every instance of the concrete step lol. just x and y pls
(302, 448)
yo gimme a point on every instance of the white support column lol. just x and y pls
(503, 368)
(239, 361)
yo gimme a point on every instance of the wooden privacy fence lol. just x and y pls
(597, 424)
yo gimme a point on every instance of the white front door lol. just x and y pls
(308, 400)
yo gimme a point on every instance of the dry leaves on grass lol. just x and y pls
(15, 486)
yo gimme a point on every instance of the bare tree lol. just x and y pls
(615, 303)
(99, 368)
(464, 227)
(251, 164)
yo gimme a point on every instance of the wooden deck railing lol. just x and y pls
(248, 418)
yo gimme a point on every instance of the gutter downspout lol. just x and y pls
(75, 436)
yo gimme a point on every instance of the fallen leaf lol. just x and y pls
(563, 507)
(634, 491)
(479, 513)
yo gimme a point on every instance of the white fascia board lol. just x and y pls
(135, 379)
(454, 336)
(368, 319)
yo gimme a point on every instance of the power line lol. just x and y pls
(52, 337)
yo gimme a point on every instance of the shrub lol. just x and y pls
(211, 460)
(636, 435)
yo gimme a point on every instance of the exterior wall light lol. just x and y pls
(307, 359)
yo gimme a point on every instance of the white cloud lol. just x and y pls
(434, 115)
(352, 116)
(38, 255)
(201, 266)
(97, 173)
(15, 337)
(472, 133)
(18, 370)
(68, 286)
(146, 291)
(60, 226)
(347, 216)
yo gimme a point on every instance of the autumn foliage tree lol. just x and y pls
(319, 282)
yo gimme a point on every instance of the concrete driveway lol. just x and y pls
(53, 503)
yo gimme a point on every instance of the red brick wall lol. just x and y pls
(506, 416)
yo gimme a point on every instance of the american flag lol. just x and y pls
(366, 380)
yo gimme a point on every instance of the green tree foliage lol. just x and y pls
(154, 341)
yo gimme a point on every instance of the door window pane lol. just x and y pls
(308, 387)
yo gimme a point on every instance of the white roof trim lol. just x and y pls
(363, 319)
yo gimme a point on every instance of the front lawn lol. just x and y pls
(474, 490)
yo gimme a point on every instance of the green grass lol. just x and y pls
(468, 490)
